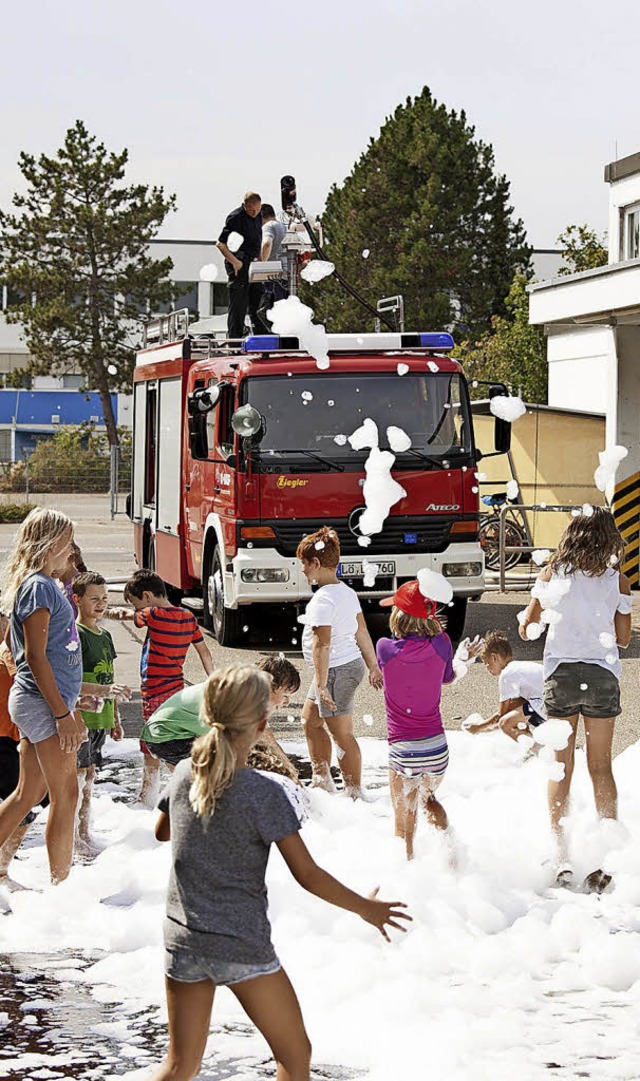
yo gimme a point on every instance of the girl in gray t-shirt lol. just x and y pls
(46, 650)
(222, 818)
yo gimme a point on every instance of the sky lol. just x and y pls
(212, 99)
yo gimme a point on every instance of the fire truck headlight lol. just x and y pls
(462, 570)
(264, 574)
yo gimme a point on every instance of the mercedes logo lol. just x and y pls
(353, 521)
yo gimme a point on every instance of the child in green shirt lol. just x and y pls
(171, 730)
(98, 655)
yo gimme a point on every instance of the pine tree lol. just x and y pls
(76, 256)
(424, 200)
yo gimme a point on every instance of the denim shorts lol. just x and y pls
(183, 965)
(577, 687)
(32, 715)
(342, 684)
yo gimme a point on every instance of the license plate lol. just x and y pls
(386, 569)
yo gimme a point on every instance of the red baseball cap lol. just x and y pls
(410, 600)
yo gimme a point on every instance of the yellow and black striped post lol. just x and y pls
(626, 511)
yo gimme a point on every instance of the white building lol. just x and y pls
(592, 321)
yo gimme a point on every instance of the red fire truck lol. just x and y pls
(240, 451)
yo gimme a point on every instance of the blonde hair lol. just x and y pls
(401, 625)
(40, 531)
(235, 699)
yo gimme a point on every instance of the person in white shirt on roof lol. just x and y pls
(520, 686)
(337, 646)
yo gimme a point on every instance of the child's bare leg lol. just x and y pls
(404, 796)
(31, 790)
(61, 776)
(189, 1006)
(319, 745)
(85, 787)
(599, 734)
(434, 810)
(515, 724)
(8, 851)
(558, 791)
(150, 787)
(271, 1003)
(349, 757)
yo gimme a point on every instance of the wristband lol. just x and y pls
(67, 714)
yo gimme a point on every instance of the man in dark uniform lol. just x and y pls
(243, 296)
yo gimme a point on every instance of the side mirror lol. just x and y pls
(248, 423)
(203, 400)
(501, 428)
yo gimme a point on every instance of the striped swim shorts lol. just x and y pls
(413, 757)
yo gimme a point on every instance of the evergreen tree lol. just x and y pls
(513, 352)
(583, 249)
(76, 257)
(424, 200)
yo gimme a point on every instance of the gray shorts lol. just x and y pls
(577, 687)
(32, 715)
(342, 684)
(183, 965)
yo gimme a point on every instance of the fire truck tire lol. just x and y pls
(455, 618)
(226, 623)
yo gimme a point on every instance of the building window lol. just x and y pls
(631, 232)
(185, 295)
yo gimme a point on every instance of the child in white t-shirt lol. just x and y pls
(337, 646)
(590, 602)
(521, 689)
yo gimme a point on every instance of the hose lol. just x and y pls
(345, 284)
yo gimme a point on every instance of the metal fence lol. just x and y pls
(84, 487)
(523, 549)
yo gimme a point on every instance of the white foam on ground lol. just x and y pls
(498, 976)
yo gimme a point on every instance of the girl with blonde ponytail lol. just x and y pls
(42, 702)
(222, 819)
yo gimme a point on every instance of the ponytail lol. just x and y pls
(235, 699)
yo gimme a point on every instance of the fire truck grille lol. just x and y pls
(400, 534)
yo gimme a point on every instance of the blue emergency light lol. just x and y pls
(439, 341)
(431, 340)
(268, 343)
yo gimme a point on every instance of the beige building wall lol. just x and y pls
(555, 454)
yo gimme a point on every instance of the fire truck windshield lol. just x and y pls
(305, 413)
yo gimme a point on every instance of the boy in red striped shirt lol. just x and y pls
(170, 632)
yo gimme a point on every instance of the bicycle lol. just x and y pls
(515, 533)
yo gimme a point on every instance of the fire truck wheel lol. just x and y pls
(455, 618)
(226, 623)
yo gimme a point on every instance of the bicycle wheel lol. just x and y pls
(489, 537)
(513, 538)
